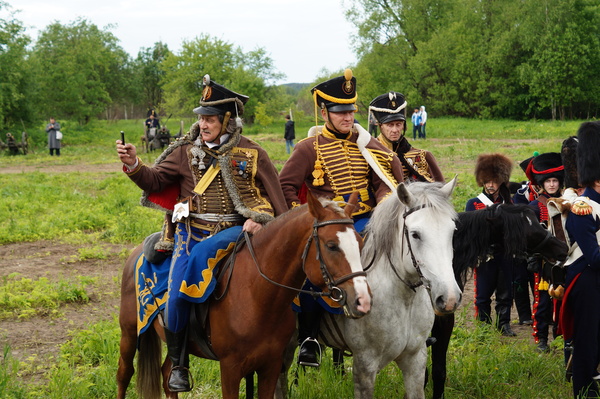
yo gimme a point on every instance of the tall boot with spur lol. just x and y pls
(176, 348)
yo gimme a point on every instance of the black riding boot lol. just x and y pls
(176, 347)
(308, 332)
(504, 321)
(504, 300)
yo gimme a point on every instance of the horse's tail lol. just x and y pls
(149, 375)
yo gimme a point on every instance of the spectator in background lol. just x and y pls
(152, 121)
(372, 125)
(290, 133)
(423, 122)
(416, 122)
(53, 141)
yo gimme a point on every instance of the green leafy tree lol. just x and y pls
(14, 72)
(500, 58)
(150, 74)
(246, 73)
(564, 67)
(79, 70)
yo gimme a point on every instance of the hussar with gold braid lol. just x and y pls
(337, 159)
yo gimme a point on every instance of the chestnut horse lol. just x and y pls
(250, 316)
(517, 229)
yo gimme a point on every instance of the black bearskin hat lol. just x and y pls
(548, 165)
(588, 153)
(337, 94)
(389, 107)
(568, 153)
(496, 167)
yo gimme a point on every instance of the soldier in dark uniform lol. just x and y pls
(216, 183)
(389, 110)
(548, 171)
(580, 316)
(152, 122)
(492, 172)
(335, 160)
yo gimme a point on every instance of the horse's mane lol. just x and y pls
(478, 233)
(383, 229)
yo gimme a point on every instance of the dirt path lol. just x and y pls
(36, 340)
(107, 167)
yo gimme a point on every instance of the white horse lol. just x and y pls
(408, 258)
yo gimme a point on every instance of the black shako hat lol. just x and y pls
(547, 165)
(389, 107)
(588, 153)
(337, 94)
(526, 165)
(151, 112)
(218, 100)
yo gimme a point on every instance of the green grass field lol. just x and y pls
(90, 203)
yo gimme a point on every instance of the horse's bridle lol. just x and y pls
(536, 251)
(334, 293)
(412, 286)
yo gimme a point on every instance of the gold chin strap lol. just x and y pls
(226, 118)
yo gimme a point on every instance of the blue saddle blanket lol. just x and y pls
(151, 289)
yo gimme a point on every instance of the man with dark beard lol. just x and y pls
(390, 111)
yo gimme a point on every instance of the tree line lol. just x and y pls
(78, 71)
(483, 58)
(470, 58)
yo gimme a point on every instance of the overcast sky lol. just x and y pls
(301, 36)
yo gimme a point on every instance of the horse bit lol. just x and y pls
(335, 293)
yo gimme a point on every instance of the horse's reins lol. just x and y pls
(412, 286)
(335, 293)
(536, 251)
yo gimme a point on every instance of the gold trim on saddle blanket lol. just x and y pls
(198, 290)
(152, 302)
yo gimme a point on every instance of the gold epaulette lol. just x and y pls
(581, 208)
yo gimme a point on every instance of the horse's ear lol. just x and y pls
(405, 196)
(351, 204)
(315, 207)
(449, 187)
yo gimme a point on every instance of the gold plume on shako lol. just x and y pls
(348, 85)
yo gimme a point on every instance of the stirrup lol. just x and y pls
(318, 357)
(190, 379)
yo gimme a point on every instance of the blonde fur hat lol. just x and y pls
(496, 167)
